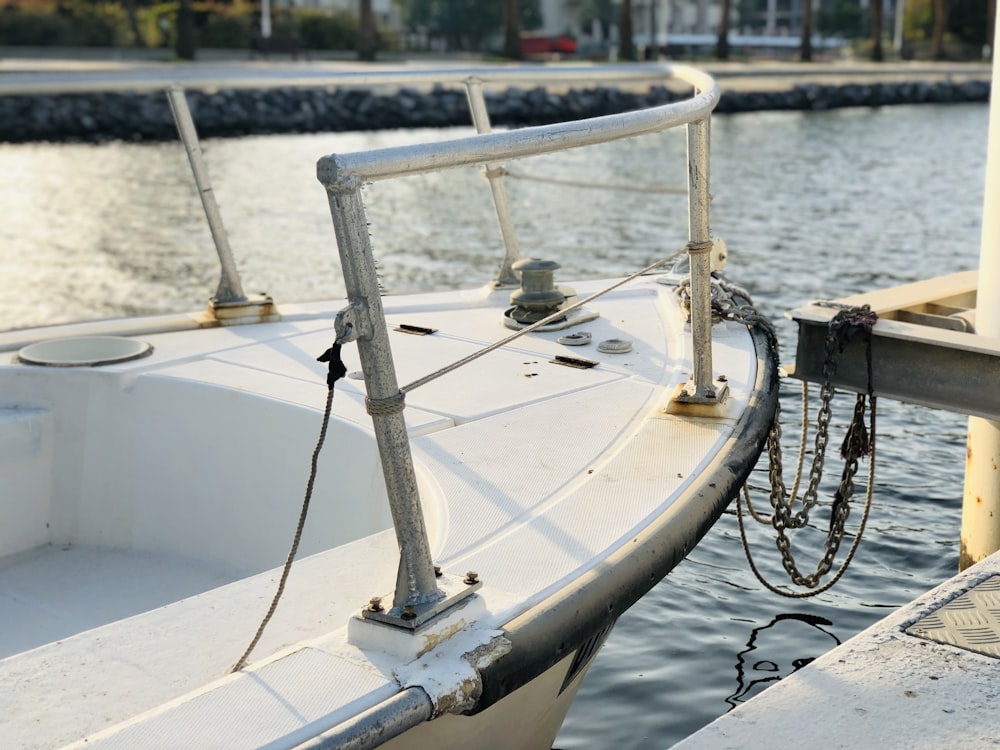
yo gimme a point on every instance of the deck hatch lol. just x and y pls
(971, 621)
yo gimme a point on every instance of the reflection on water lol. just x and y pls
(811, 205)
(770, 652)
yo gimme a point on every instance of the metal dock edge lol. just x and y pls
(923, 350)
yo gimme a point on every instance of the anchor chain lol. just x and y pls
(789, 511)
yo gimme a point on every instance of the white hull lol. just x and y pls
(528, 718)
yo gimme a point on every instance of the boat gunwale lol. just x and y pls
(554, 628)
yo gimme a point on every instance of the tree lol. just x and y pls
(466, 24)
(991, 14)
(970, 23)
(722, 43)
(600, 11)
(967, 22)
(185, 31)
(626, 46)
(805, 44)
(940, 25)
(366, 32)
(133, 22)
(876, 9)
(512, 30)
(843, 18)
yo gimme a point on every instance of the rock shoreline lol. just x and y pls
(131, 116)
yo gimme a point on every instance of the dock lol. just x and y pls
(926, 677)
(925, 348)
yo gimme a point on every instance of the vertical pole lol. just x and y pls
(512, 249)
(771, 17)
(265, 18)
(230, 289)
(897, 31)
(981, 498)
(654, 52)
(415, 580)
(699, 252)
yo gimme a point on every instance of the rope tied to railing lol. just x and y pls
(383, 407)
(335, 371)
(848, 324)
(699, 248)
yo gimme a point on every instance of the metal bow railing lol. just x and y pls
(418, 593)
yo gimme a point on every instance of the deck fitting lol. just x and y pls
(411, 616)
(970, 621)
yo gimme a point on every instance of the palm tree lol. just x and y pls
(512, 29)
(940, 24)
(626, 48)
(877, 55)
(722, 43)
(805, 44)
(185, 31)
(366, 32)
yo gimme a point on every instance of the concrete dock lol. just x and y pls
(925, 678)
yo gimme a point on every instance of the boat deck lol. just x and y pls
(55, 591)
(926, 677)
(162, 636)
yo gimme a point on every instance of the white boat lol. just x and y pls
(462, 562)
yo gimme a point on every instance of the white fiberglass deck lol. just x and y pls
(926, 677)
(120, 463)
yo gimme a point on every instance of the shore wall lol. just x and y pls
(131, 116)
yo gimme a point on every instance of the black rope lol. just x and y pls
(335, 372)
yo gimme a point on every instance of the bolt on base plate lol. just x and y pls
(412, 616)
(687, 393)
(685, 401)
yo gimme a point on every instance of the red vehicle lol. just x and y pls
(547, 45)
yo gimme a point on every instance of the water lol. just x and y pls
(811, 204)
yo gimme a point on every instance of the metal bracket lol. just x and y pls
(717, 393)
(455, 589)
(250, 308)
(353, 322)
(685, 400)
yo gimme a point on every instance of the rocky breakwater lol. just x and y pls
(133, 116)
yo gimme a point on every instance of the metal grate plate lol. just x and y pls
(972, 621)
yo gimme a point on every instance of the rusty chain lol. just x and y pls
(788, 511)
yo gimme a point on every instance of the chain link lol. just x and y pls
(787, 510)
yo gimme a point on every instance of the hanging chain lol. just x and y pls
(788, 511)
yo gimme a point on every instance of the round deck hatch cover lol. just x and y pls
(83, 351)
(615, 346)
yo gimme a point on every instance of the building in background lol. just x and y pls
(683, 25)
(672, 26)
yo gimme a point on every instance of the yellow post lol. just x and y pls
(981, 499)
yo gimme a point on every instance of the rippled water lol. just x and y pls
(811, 204)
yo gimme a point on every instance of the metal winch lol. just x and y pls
(539, 297)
